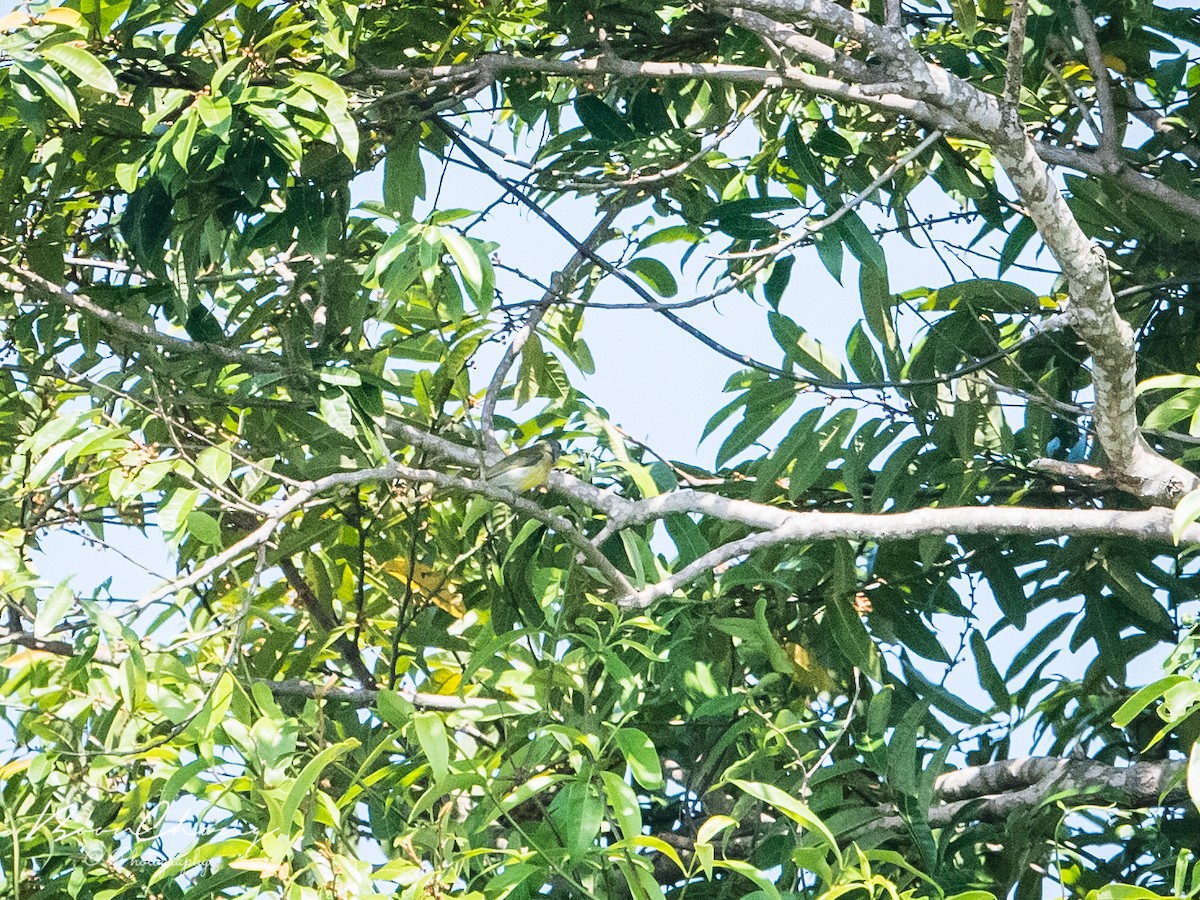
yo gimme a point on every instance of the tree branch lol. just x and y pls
(995, 792)
(1092, 310)
(560, 284)
(1014, 77)
(325, 619)
(783, 527)
(1109, 137)
(140, 332)
(308, 491)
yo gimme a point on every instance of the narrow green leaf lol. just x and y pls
(304, 782)
(791, 807)
(830, 252)
(1017, 239)
(641, 756)
(431, 735)
(204, 528)
(655, 274)
(215, 463)
(53, 610)
(803, 349)
(781, 274)
(52, 85)
(989, 675)
(624, 804)
(861, 242)
(604, 122)
(1130, 709)
(82, 64)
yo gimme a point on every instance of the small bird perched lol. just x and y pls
(525, 469)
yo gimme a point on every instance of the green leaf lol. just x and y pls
(1034, 648)
(82, 64)
(751, 206)
(813, 457)
(641, 756)
(776, 284)
(204, 528)
(403, 174)
(791, 807)
(475, 268)
(829, 250)
(52, 610)
(624, 804)
(336, 106)
(604, 122)
(989, 675)
(215, 463)
(1131, 708)
(964, 14)
(902, 750)
(1017, 239)
(849, 632)
(201, 852)
(205, 14)
(51, 84)
(766, 887)
(876, 298)
(648, 112)
(337, 412)
(803, 349)
(394, 708)
(302, 785)
(578, 812)
(431, 735)
(764, 407)
(685, 233)
(655, 274)
(861, 355)
(1187, 511)
(861, 242)
(852, 638)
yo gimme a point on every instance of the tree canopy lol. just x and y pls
(823, 657)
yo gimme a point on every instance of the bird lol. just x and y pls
(526, 469)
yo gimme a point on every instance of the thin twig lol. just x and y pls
(560, 284)
(855, 201)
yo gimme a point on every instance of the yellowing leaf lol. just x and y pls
(62, 16)
(265, 867)
(806, 671)
(8, 770)
(13, 21)
(1115, 62)
(27, 657)
(434, 586)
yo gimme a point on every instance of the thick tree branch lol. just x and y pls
(1092, 311)
(1095, 162)
(293, 687)
(996, 792)
(933, 95)
(308, 491)
(479, 73)
(365, 698)
(1152, 526)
